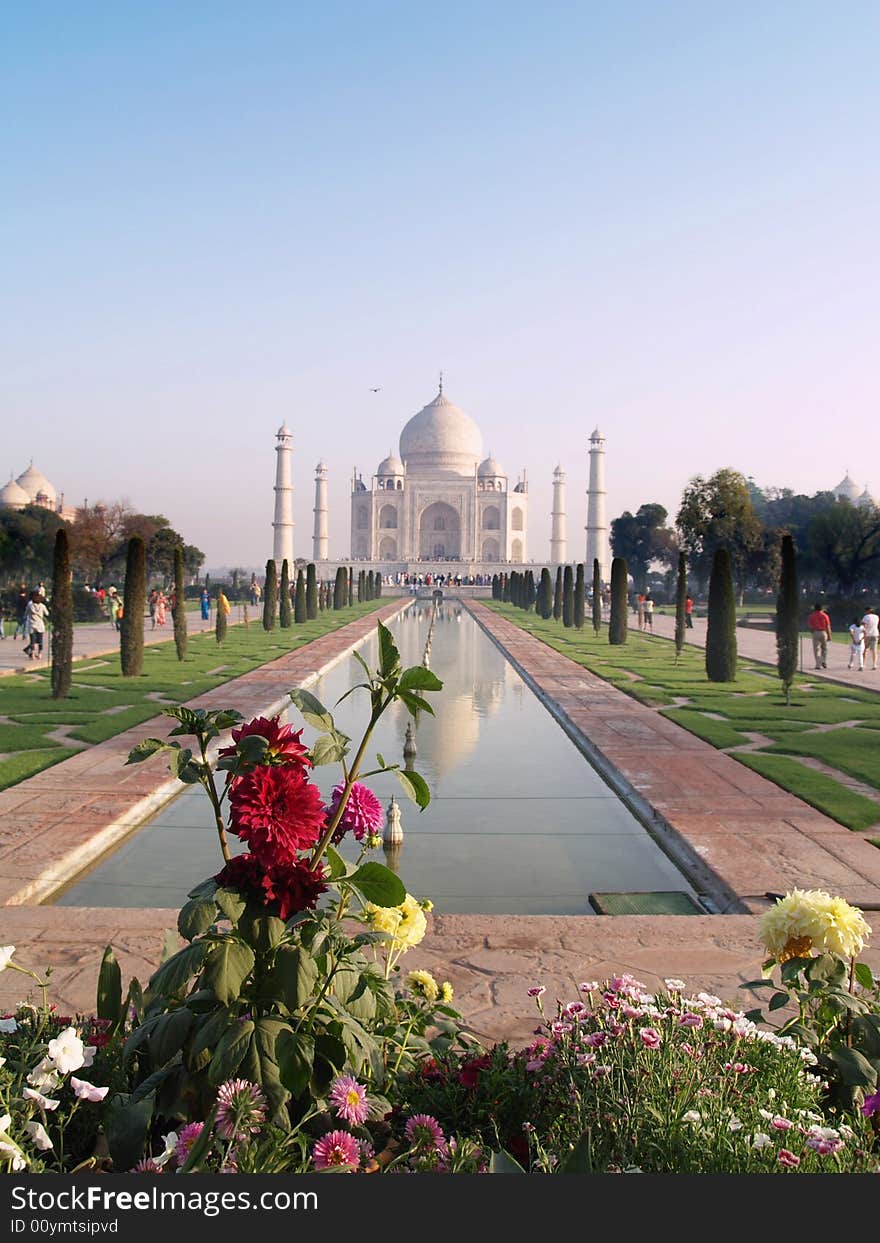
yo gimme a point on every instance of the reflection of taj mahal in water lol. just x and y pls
(439, 502)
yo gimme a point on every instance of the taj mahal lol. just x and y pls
(439, 500)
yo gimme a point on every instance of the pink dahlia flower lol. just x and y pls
(336, 1148)
(363, 813)
(349, 1099)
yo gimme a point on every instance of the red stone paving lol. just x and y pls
(750, 836)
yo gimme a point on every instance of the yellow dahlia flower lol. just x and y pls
(446, 992)
(405, 925)
(808, 921)
(423, 984)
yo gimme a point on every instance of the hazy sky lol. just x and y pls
(661, 218)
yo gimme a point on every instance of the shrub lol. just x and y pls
(680, 604)
(787, 621)
(597, 597)
(721, 627)
(617, 625)
(131, 645)
(270, 597)
(579, 597)
(284, 610)
(557, 594)
(179, 610)
(62, 617)
(311, 593)
(300, 605)
(567, 597)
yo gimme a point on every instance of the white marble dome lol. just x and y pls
(13, 496)
(490, 467)
(441, 437)
(391, 465)
(847, 489)
(35, 484)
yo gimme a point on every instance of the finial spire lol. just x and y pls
(441, 384)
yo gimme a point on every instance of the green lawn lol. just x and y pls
(103, 703)
(724, 715)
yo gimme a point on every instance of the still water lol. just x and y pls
(519, 821)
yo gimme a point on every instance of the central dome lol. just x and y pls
(441, 437)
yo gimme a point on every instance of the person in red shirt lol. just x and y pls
(819, 626)
(689, 613)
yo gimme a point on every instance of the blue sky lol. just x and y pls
(217, 217)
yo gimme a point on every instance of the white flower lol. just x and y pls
(675, 986)
(808, 1056)
(761, 1140)
(692, 1115)
(30, 1094)
(170, 1142)
(708, 999)
(44, 1076)
(8, 1026)
(37, 1132)
(66, 1051)
(722, 1025)
(86, 1091)
(735, 1124)
(10, 1151)
(771, 1094)
(2, 1061)
(6, 952)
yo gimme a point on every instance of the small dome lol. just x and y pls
(12, 496)
(490, 467)
(35, 483)
(596, 434)
(866, 500)
(441, 437)
(284, 430)
(391, 465)
(846, 490)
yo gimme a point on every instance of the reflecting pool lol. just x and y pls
(519, 820)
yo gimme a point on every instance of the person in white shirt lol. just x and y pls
(857, 644)
(36, 616)
(871, 625)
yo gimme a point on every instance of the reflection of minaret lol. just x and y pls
(597, 526)
(557, 533)
(320, 539)
(283, 524)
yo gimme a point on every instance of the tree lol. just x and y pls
(134, 604)
(641, 538)
(161, 548)
(579, 597)
(300, 609)
(178, 613)
(96, 538)
(350, 586)
(597, 597)
(557, 595)
(62, 617)
(544, 605)
(619, 601)
(378, 584)
(505, 590)
(221, 616)
(788, 631)
(27, 542)
(193, 560)
(270, 597)
(715, 513)
(340, 589)
(567, 597)
(360, 589)
(496, 587)
(680, 604)
(721, 630)
(844, 541)
(311, 592)
(284, 597)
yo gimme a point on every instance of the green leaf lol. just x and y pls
(178, 970)
(253, 748)
(864, 975)
(263, 1058)
(503, 1163)
(855, 1069)
(180, 757)
(227, 968)
(418, 678)
(196, 917)
(389, 657)
(378, 884)
(351, 987)
(143, 750)
(415, 787)
(169, 1035)
(207, 1037)
(312, 711)
(292, 978)
(230, 1051)
(204, 889)
(580, 1159)
(335, 862)
(126, 1124)
(261, 930)
(109, 1001)
(231, 903)
(329, 749)
(778, 1000)
(414, 704)
(295, 1053)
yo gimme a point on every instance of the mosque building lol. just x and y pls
(849, 490)
(33, 488)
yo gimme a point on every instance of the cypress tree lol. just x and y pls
(680, 604)
(557, 595)
(270, 596)
(321, 597)
(360, 590)
(721, 629)
(340, 589)
(377, 582)
(579, 597)
(597, 597)
(544, 607)
(787, 621)
(179, 611)
(496, 594)
(505, 589)
(311, 592)
(62, 617)
(221, 622)
(514, 588)
(350, 586)
(284, 598)
(299, 600)
(617, 624)
(370, 586)
(131, 646)
(567, 597)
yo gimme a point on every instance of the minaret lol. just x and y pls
(557, 531)
(320, 539)
(597, 525)
(283, 524)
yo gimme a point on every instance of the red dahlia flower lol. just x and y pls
(290, 887)
(277, 812)
(284, 742)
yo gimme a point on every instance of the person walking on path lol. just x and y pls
(857, 645)
(649, 612)
(161, 605)
(819, 626)
(152, 603)
(640, 609)
(871, 624)
(689, 613)
(205, 601)
(35, 624)
(21, 603)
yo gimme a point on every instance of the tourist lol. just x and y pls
(152, 603)
(21, 603)
(689, 613)
(205, 600)
(857, 645)
(649, 612)
(640, 609)
(871, 624)
(161, 605)
(819, 626)
(35, 625)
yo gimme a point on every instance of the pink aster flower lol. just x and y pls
(596, 1039)
(423, 1131)
(538, 991)
(240, 1108)
(185, 1140)
(146, 1166)
(824, 1144)
(575, 1009)
(363, 813)
(691, 1020)
(349, 1099)
(871, 1105)
(650, 1037)
(336, 1148)
(781, 1124)
(784, 1157)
